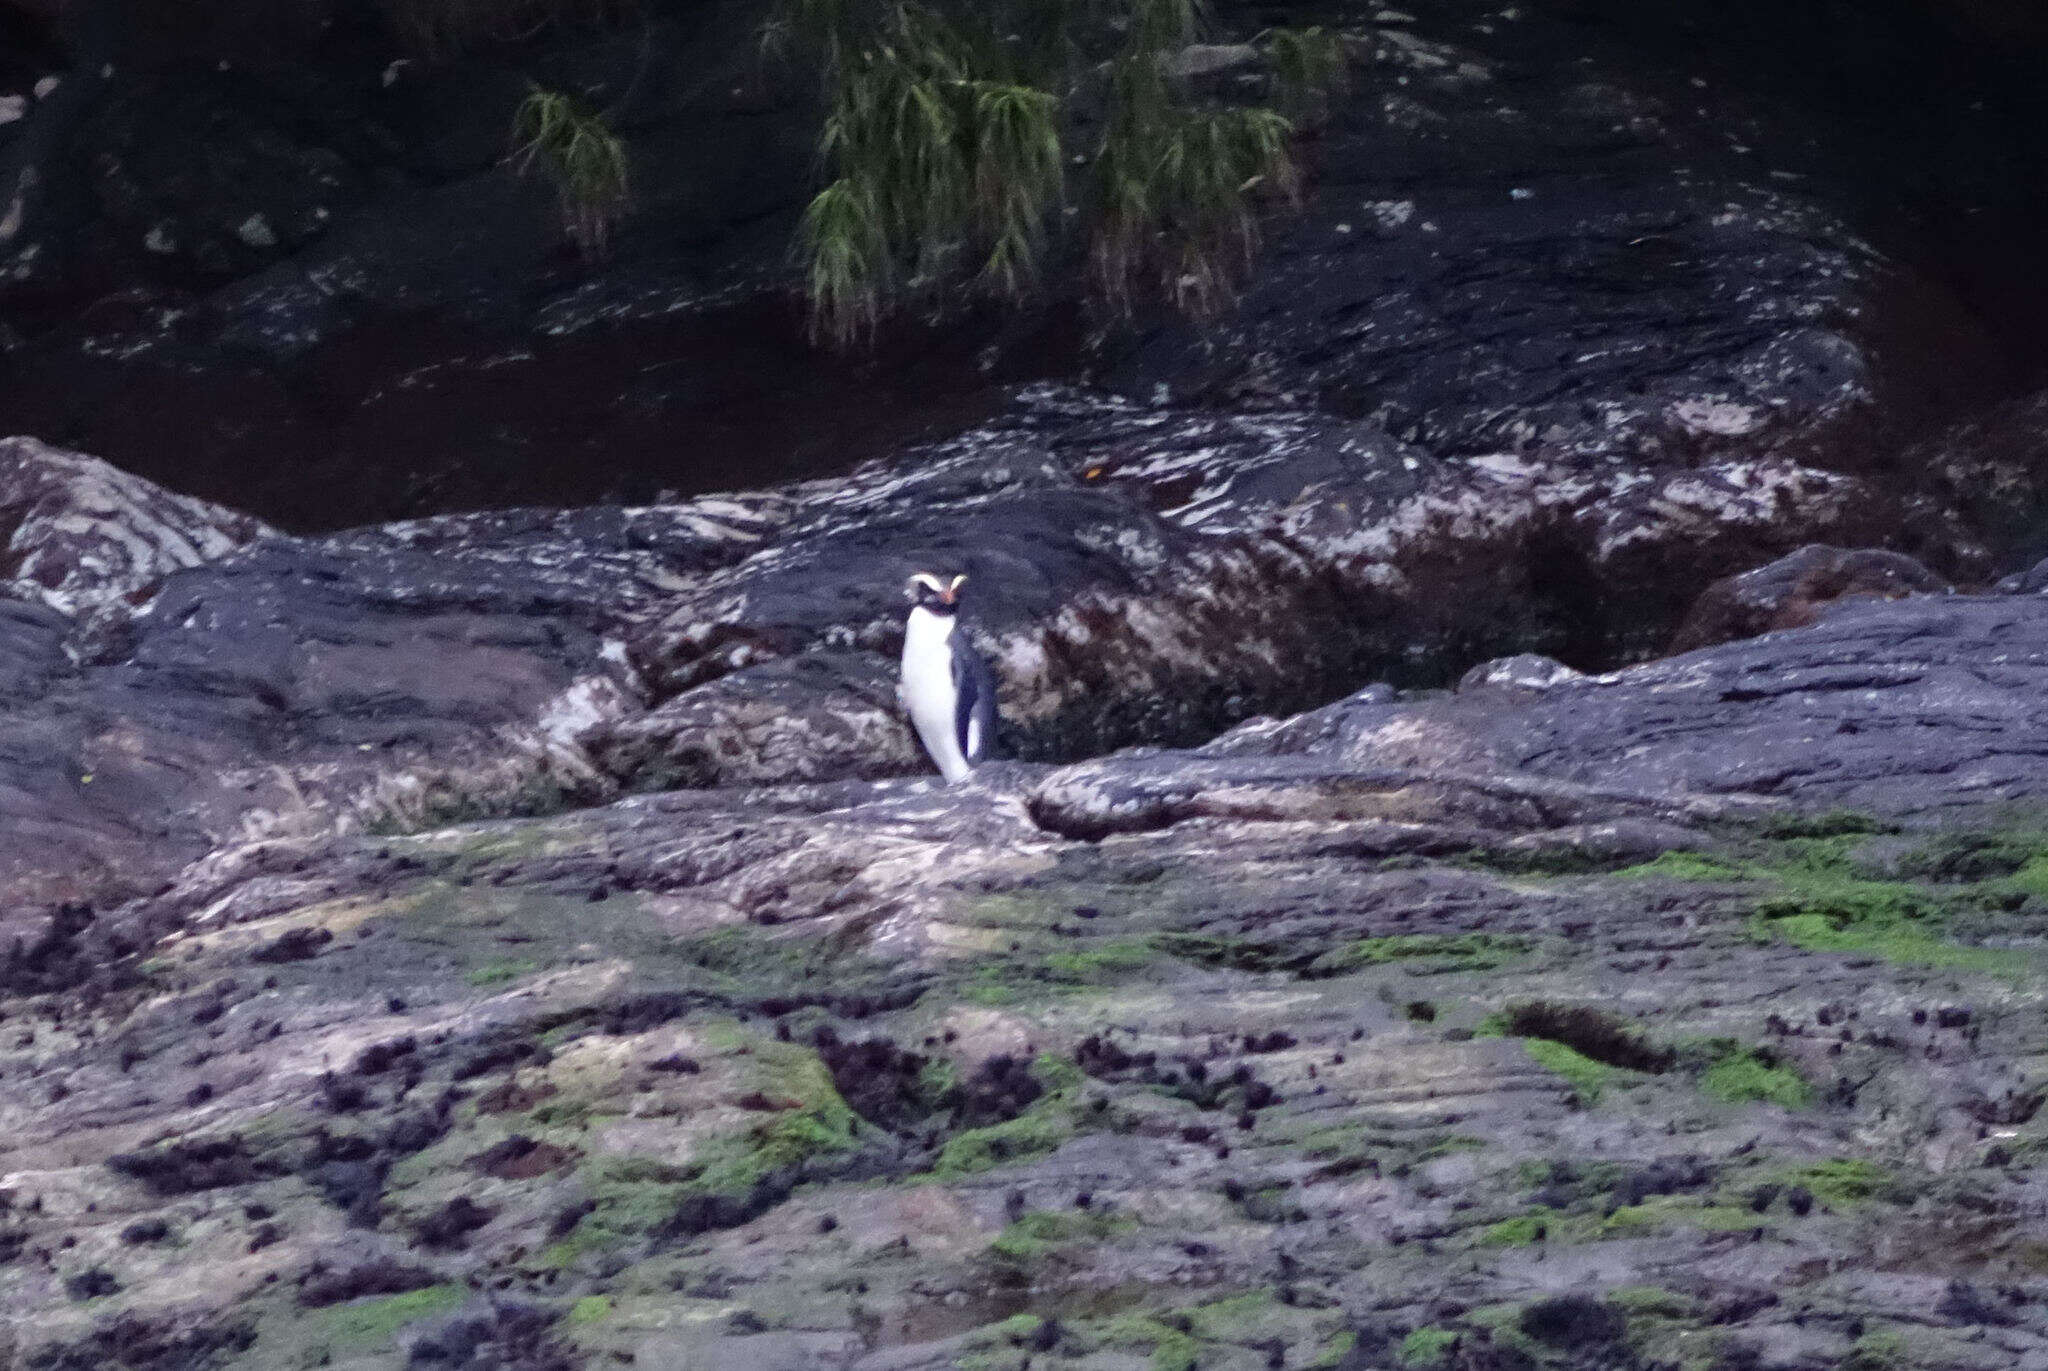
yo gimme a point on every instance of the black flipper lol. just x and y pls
(974, 719)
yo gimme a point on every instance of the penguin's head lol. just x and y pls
(928, 591)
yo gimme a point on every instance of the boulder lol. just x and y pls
(1794, 589)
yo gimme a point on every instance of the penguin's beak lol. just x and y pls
(952, 592)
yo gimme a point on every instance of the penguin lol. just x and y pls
(946, 688)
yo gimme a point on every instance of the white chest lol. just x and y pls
(929, 696)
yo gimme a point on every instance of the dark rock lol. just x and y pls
(1966, 1304)
(195, 1164)
(244, 194)
(1793, 591)
(452, 1223)
(708, 1212)
(91, 1284)
(1573, 1321)
(1590, 1033)
(511, 1336)
(171, 1342)
(320, 1287)
(520, 1158)
(293, 946)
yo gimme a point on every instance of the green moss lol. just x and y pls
(1651, 1301)
(1333, 1352)
(2031, 879)
(1239, 954)
(1242, 1319)
(1104, 965)
(1035, 1236)
(1833, 823)
(937, 1079)
(820, 1123)
(1750, 1074)
(1901, 945)
(1047, 1124)
(377, 1321)
(1434, 952)
(1844, 1182)
(631, 1198)
(1971, 856)
(1170, 1348)
(1825, 905)
(1459, 952)
(562, 1114)
(1427, 1347)
(1449, 1143)
(1587, 1076)
(1008, 1332)
(1057, 1074)
(1880, 1349)
(590, 1309)
(1687, 866)
(1520, 1231)
(497, 973)
(1823, 901)
(1022, 977)
(1031, 1134)
(1671, 1212)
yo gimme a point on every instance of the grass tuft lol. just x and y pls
(949, 147)
(555, 135)
(1310, 66)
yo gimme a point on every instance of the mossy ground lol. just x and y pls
(1309, 1072)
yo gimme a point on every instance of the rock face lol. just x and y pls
(1614, 1016)
(531, 939)
(1140, 575)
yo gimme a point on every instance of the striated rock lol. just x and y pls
(1138, 575)
(1157, 575)
(83, 535)
(410, 673)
